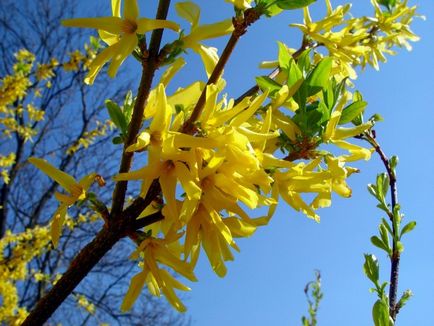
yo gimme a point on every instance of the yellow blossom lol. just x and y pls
(191, 12)
(158, 280)
(76, 191)
(121, 37)
(240, 4)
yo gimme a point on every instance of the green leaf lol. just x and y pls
(293, 4)
(397, 217)
(128, 106)
(265, 83)
(376, 118)
(385, 237)
(372, 190)
(329, 94)
(400, 246)
(389, 4)
(294, 73)
(382, 186)
(408, 227)
(386, 183)
(116, 115)
(352, 111)
(117, 140)
(380, 313)
(393, 162)
(371, 268)
(404, 298)
(319, 77)
(386, 225)
(272, 10)
(376, 241)
(303, 60)
(310, 120)
(325, 111)
(94, 42)
(284, 57)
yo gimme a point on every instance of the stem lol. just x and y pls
(240, 28)
(396, 256)
(150, 65)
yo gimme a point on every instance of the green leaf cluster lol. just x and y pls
(313, 89)
(121, 116)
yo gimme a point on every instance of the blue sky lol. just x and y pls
(264, 285)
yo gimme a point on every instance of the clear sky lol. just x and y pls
(264, 285)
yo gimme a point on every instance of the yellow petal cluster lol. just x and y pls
(364, 40)
(120, 33)
(211, 180)
(16, 252)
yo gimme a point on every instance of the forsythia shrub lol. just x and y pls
(212, 160)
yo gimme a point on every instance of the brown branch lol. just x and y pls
(82, 264)
(150, 65)
(240, 28)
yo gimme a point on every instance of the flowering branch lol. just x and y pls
(150, 65)
(240, 28)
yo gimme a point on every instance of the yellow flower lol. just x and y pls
(191, 12)
(159, 280)
(336, 135)
(76, 191)
(240, 4)
(121, 37)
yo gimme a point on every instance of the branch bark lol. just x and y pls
(82, 264)
(150, 65)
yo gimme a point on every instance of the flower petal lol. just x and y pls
(109, 24)
(62, 178)
(136, 285)
(116, 8)
(189, 11)
(108, 38)
(99, 62)
(131, 10)
(57, 223)
(125, 46)
(145, 25)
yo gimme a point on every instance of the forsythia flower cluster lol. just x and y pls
(19, 92)
(89, 136)
(361, 41)
(16, 251)
(232, 163)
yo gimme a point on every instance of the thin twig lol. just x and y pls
(240, 28)
(396, 256)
